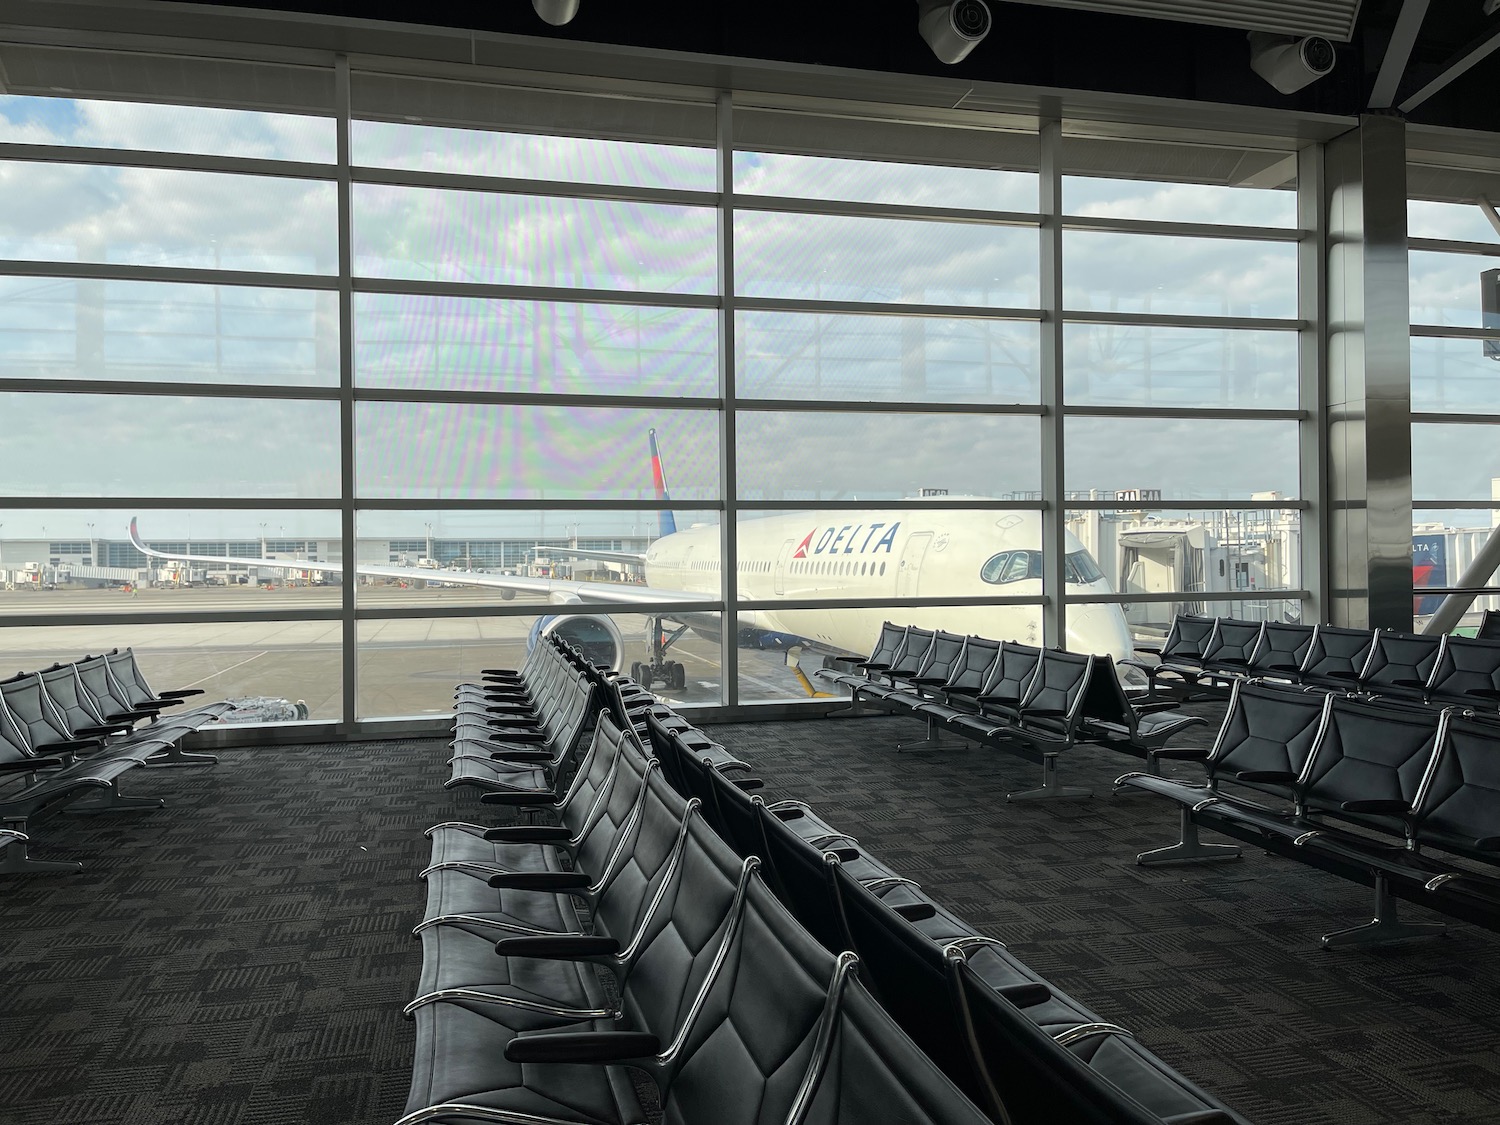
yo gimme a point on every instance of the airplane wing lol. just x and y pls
(555, 590)
(635, 558)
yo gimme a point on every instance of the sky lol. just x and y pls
(84, 445)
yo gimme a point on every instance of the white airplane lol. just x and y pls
(904, 552)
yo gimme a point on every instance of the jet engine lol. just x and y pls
(597, 637)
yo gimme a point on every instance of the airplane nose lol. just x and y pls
(1099, 629)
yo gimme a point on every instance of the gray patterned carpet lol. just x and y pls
(241, 957)
(238, 958)
(1216, 968)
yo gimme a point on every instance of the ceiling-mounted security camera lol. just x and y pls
(952, 28)
(1287, 63)
(556, 12)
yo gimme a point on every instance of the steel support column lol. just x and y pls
(348, 527)
(1368, 389)
(729, 549)
(1054, 514)
(1312, 364)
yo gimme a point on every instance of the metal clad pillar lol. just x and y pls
(1312, 363)
(729, 489)
(348, 529)
(1369, 377)
(1054, 512)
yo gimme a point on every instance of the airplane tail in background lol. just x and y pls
(668, 525)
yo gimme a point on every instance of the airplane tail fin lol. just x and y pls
(668, 525)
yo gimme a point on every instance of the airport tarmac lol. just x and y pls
(406, 666)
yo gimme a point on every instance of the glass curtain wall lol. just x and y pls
(1454, 262)
(886, 383)
(341, 410)
(536, 282)
(1180, 386)
(171, 363)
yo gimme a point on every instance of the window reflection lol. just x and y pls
(110, 445)
(887, 359)
(431, 234)
(875, 181)
(153, 332)
(834, 258)
(167, 217)
(1108, 272)
(205, 130)
(1179, 202)
(1155, 365)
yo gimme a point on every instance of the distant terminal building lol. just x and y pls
(109, 561)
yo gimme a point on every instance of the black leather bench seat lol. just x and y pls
(689, 898)
(460, 1059)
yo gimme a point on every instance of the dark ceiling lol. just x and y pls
(1030, 45)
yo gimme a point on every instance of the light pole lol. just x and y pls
(93, 557)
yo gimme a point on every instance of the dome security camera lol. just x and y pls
(556, 12)
(1290, 64)
(952, 28)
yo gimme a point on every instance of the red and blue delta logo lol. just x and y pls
(851, 539)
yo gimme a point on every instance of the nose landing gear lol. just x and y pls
(670, 674)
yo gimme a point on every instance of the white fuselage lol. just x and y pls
(900, 553)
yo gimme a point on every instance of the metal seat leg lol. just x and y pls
(933, 741)
(175, 755)
(15, 860)
(1049, 789)
(112, 800)
(1385, 927)
(1189, 849)
(853, 711)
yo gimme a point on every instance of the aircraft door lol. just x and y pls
(910, 566)
(781, 560)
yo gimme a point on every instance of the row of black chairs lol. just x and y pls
(68, 733)
(731, 1008)
(1015, 1045)
(1205, 656)
(520, 731)
(1032, 701)
(1405, 797)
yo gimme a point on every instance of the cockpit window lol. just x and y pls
(1012, 566)
(1079, 569)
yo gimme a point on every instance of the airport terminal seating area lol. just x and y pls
(1403, 798)
(1030, 701)
(68, 733)
(1205, 656)
(757, 955)
(1369, 753)
(245, 960)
